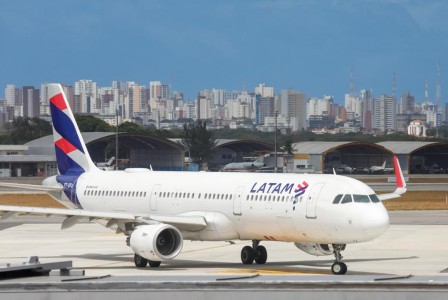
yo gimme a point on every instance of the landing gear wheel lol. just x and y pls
(339, 268)
(261, 255)
(247, 255)
(139, 261)
(154, 264)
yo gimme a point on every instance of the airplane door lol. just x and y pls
(237, 201)
(311, 201)
(154, 197)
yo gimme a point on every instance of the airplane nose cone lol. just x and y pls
(375, 222)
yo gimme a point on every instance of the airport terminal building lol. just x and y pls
(37, 158)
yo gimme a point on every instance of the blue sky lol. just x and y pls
(306, 45)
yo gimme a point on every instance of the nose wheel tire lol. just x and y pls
(139, 261)
(339, 268)
(247, 255)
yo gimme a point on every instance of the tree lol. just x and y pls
(25, 129)
(199, 142)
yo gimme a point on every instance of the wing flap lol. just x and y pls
(63, 212)
(74, 216)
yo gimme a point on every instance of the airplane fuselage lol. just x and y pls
(247, 206)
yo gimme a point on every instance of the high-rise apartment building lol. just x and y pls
(30, 101)
(158, 92)
(385, 109)
(264, 91)
(86, 100)
(265, 107)
(293, 104)
(366, 99)
(407, 103)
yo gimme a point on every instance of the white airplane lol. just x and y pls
(107, 166)
(157, 211)
(378, 168)
(244, 166)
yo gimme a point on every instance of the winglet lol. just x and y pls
(401, 184)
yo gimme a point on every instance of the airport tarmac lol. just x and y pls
(411, 256)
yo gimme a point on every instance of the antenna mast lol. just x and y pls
(438, 87)
(394, 86)
(352, 83)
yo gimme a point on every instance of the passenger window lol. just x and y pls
(361, 198)
(347, 199)
(337, 199)
(374, 198)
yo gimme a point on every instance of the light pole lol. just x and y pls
(275, 143)
(116, 138)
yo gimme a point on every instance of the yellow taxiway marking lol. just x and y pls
(275, 272)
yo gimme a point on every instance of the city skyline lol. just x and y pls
(305, 45)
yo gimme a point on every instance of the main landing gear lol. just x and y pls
(338, 267)
(141, 262)
(256, 252)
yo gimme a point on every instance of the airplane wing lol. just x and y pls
(74, 216)
(401, 183)
(32, 187)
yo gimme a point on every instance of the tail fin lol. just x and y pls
(384, 165)
(71, 152)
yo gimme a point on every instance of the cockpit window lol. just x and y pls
(347, 199)
(337, 199)
(374, 198)
(361, 198)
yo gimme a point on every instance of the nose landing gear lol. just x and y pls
(338, 267)
(255, 253)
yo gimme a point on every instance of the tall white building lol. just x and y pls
(12, 95)
(237, 109)
(158, 92)
(385, 109)
(204, 108)
(86, 92)
(320, 107)
(109, 99)
(217, 97)
(264, 91)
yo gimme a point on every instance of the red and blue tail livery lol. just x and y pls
(71, 154)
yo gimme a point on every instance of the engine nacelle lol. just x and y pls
(156, 242)
(315, 249)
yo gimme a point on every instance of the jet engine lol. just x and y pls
(156, 242)
(315, 249)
